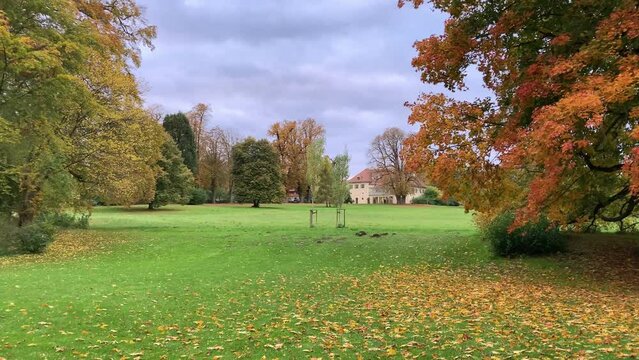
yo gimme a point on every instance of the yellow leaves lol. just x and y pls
(391, 351)
(278, 346)
(68, 244)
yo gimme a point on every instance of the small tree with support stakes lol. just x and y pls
(340, 220)
(313, 218)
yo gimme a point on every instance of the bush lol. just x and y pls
(66, 220)
(34, 238)
(8, 243)
(535, 238)
(432, 196)
(199, 196)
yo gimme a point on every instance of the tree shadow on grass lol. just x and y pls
(608, 259)
(145, 210)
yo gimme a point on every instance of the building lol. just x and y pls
(365, 190)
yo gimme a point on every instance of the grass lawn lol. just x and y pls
(230, 282)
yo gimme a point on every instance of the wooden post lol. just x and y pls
(312, 223)
(340, 220)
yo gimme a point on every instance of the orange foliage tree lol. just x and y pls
(559, 135)
(291, 139)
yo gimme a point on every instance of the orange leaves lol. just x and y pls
(442, 58)
(561, 39)
(561, 126)
(623, 22)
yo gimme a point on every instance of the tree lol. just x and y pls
(325, 186)
(387, 159)
(314, 157)
(256, 172)
(177, 125)
(216, 161)
(559, 137)
(175, 182)
(72, 123)
(198, 118)
(291, 140)
(340, 172)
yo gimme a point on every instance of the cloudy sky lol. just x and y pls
(345, 63)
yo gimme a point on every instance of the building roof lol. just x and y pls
(364, 176)
(368, 176)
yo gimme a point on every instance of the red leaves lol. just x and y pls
(441, 59)
(559, 94)
(623, 22)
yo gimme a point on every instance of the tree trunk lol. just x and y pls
(25, 218)
(256, 203)
(28, 208)
(213, 187)
(401, 200)
(151, 207)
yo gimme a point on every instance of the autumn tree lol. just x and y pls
(559, 135)
(256, 172)
(386, 158)
(175, 181)
(314, 158)
(71, 120)
(216, 162)
(198, 118)
(340, 186)
(291, 139)
(177, 125)
(325, 185)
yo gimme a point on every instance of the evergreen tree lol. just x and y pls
(256, 172)
(175, 182)
(177, 125)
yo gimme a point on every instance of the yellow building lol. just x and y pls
(365, 190)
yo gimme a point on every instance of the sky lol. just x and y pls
(345, 63)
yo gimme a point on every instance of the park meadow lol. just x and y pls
(282, 179)
(229, 281)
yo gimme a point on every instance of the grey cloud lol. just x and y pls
(344, 62)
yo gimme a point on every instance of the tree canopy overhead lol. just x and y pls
(560, 133)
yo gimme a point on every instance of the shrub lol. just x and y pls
(199, 196)
(8, 244)
(34, 238)
(221, 196)
(432, 196)
(422, 200)
(534, 238)
(66, 220)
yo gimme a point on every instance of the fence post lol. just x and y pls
(312, 223)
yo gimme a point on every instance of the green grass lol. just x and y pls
(231, 281)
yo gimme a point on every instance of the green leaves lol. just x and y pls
(72, 125)
(175, 182)
(256, 172)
